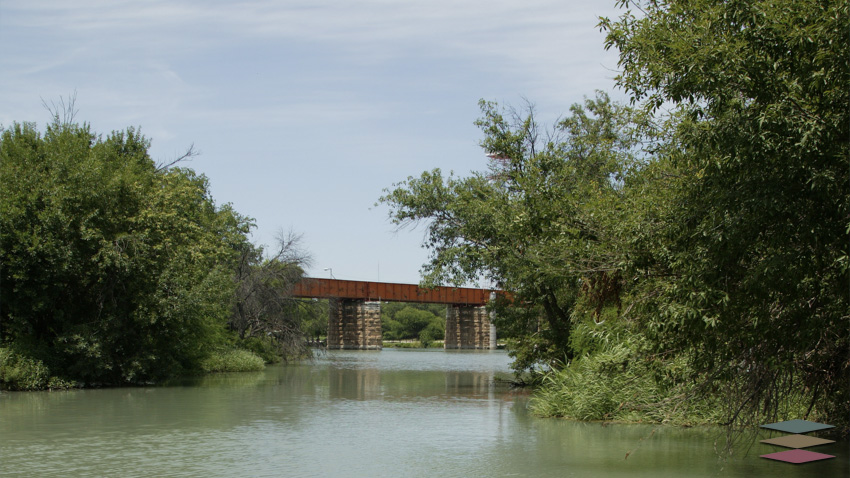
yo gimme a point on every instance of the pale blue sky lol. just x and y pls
(305, 110)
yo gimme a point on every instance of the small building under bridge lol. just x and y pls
(354, 318)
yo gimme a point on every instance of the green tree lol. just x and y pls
(413, 321)
(264, 307)
(435, 330)
(749, 272)
(540, 221)
(405, 321)
(314, 317)
(113, 270)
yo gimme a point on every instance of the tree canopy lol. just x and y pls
(707, 222)
(755, 250)
(114, 270)
(405, 321)
(536, 221)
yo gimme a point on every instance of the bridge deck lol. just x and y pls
(384, 291)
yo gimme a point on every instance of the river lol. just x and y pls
(353, 414)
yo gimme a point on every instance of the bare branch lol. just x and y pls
(62, 113)
(187, 156)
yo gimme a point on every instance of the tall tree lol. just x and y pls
(264, 307)
(755, 251)
(531, 222)
(113, 270)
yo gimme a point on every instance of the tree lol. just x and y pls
(532, 222)
(752, 273)
(404, 321)
(314, 318)
(413, 321)
(113, 271)
(264, 307)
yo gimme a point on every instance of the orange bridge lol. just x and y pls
(354, 318)
(388, 292)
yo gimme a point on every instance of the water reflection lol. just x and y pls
(349, 413)
(358, 384)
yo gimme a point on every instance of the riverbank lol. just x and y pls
(412, 344)
(21, 373)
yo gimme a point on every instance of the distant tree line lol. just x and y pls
(413, 321)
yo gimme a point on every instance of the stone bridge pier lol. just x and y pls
(354, 324)
(469, 327)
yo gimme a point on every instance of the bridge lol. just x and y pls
(354, 317)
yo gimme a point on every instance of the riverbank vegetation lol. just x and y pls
(117, 270)
(232, 360)
(401, 321)
(684, 258)
(412, 344)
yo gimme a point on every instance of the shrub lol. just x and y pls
(18, 372)
(22, 373)
(233, 360)
(619, 383)
(265, 348)
(425, 339)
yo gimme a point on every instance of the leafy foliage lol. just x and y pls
(534, 221)
(22, 373)
(753, 272)
(314, 317)
(113, 270)
(615, 384)
(264, 308)
(705, 230)
(232, 360)
(407, 321)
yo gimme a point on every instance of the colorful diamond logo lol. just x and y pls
(797, 456)
(797, 426)
(797, 441)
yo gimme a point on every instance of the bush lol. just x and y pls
(115, 270)
(425, 338)
(22, 373)
(618, 383)
(18, 372)
(234, 360)
(265, 348)
(412, 345)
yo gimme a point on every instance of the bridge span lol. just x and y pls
(354, 317)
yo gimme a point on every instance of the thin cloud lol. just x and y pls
(534, 36)
(336, 97)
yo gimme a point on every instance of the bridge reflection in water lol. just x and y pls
(374, 384)
(354, 317)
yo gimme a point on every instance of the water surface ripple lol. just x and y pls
(354, 414)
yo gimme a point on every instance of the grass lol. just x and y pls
(614, 385)
(233, 360)
(412, 344)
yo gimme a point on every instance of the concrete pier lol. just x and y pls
(354, 324)
(468, 327)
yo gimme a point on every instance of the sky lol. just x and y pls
(303, 112)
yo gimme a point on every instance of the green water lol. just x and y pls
(353, 414)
